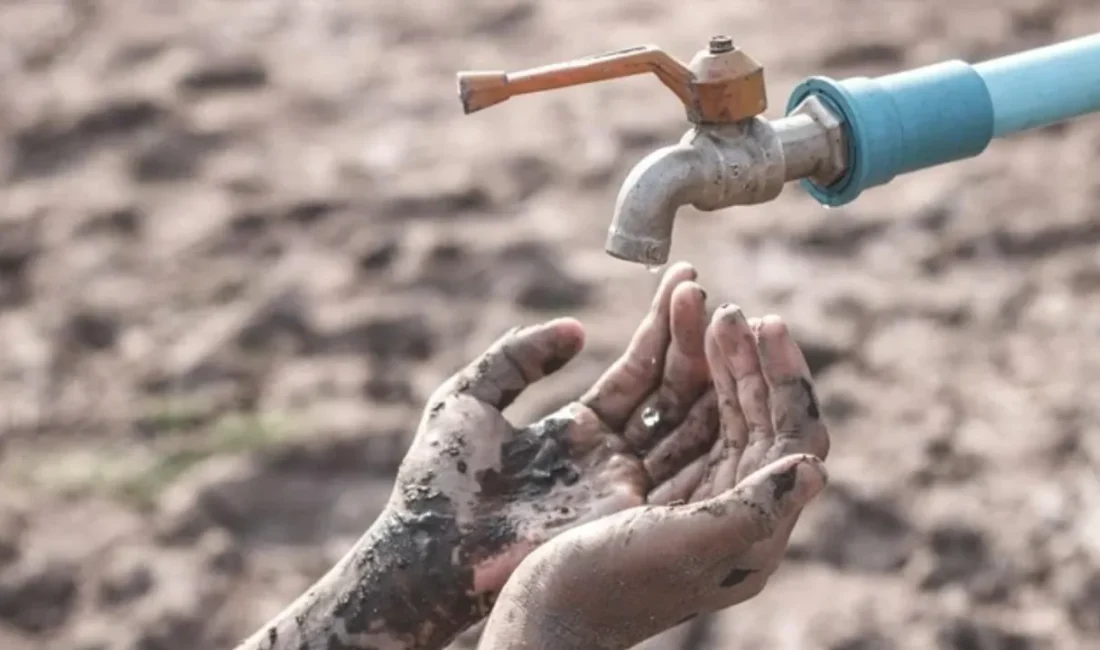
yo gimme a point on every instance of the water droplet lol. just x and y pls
(654, 268)
(651, 417)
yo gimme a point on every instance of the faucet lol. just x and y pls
(730, 156)
(838, 138)
(719, 165)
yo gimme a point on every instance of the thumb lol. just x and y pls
(518, 359)
(752, 511)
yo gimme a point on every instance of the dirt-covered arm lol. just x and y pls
(400, 587)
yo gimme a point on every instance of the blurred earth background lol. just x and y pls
(242, 241)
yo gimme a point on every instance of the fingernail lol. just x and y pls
(799, 480)
(773, 323)
(733, 314)
(813, 477)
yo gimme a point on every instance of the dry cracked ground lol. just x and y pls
(241, 241)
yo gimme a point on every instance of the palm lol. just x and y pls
(513, 488)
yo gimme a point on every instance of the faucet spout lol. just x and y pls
(712, 167)
(641, 228)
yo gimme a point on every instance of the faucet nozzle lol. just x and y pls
(712, 167)
(645, 210)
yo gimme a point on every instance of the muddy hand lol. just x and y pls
(718, 524)
(508, 489)
(475, 495)
(768, 410)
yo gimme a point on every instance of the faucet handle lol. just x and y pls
(478, 90)
(722, 84)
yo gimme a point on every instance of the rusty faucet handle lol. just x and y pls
(479, 90)
(721, 85)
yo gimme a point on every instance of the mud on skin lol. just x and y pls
(419, 590)
(414, 590)
(403, 585)
(399, 587)
(530, 464)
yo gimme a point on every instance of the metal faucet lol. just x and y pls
(730, 156)
(839, 137)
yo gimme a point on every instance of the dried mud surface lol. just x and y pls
(241, 241)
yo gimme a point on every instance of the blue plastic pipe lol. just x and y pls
(1043, 86)
(950, 111)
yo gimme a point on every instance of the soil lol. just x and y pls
(241, 242)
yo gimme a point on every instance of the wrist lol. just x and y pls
(398, 588)
(411, 581)
(531, 615)
(515, 625)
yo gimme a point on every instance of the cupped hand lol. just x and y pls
(767, 404)
(717, 525)
(506, 489)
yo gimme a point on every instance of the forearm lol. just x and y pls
(397, 589)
